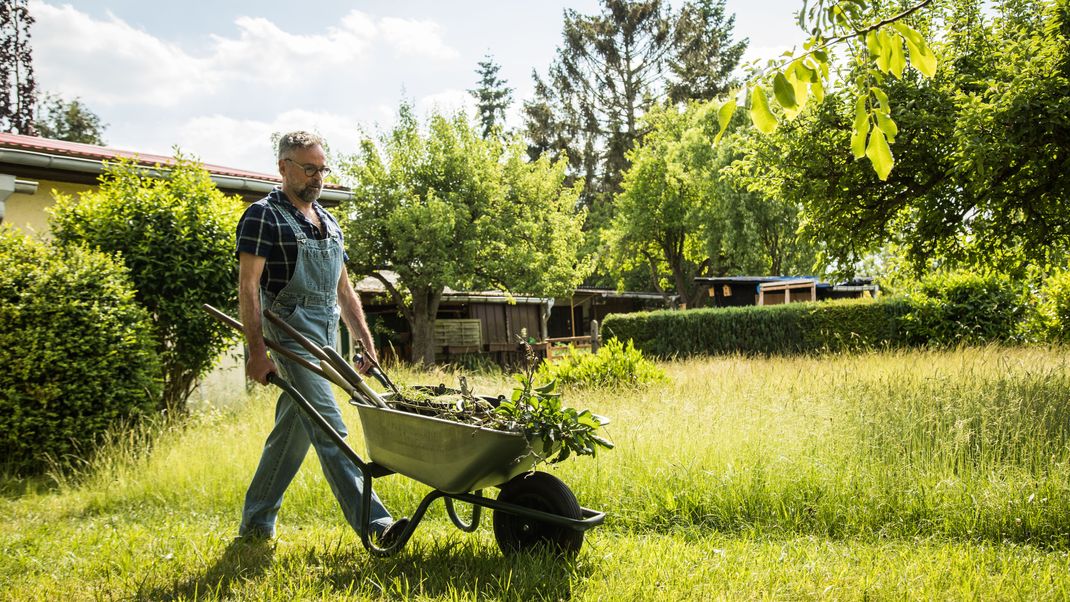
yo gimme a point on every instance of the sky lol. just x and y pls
(216, 79)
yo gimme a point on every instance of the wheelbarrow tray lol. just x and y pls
(449, 456)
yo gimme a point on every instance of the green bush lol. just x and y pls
(76, 352)
(176, 236)
(615, 364)
(768, 330)
(1050, 319)
(955, 308)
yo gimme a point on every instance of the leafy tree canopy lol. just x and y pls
(175, 233)
(68, 120)
(441, 206)
(983, 150)
(614, 66)
(678, 218)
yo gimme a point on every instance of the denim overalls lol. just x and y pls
(309, 303)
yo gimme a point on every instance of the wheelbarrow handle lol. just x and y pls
(323, 370)
(333, 358)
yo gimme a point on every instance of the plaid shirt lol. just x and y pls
(263, 231)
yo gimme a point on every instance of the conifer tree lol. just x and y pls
(17, 84)
(492, 96)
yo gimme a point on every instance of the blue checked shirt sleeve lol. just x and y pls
(257, 231)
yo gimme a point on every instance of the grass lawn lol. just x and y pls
(914, 475)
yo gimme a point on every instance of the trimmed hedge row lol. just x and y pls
(771, 330)
(946, 309)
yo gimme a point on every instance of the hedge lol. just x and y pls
(946, 309)
(76, 350)
(768, 330)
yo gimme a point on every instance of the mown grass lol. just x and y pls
(934, 475)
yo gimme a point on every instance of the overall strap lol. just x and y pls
(299, 233)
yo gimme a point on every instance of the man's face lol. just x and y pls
(295, 182)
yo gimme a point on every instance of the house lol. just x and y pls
(735, 291)
(33, 170)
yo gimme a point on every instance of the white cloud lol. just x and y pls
(109, 62)
(246, 143)
(416, 38)
(264, 52)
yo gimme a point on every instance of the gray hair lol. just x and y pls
(298, 139)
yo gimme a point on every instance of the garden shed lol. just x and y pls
(736, 291)
(572, 316)
(485, 323)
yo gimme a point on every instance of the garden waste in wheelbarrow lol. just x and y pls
(458, 461)
(452, 457)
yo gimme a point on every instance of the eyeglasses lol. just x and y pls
(310, 170)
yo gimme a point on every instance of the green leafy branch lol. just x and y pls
(884, 47)
(538, 412)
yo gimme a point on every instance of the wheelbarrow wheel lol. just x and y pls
(537, 491)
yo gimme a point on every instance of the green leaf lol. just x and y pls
(818, 89)
(873, 44)
(724, 117)
(882, 99)
(921, 56)
(880, 155)
(885, 123)
(860, 129)
(885, 57)
(759, 111)
(547, 388)
(800, 76)
(784, 91)
(898, 60)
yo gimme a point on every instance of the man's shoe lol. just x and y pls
(391, 534)
(255, 535)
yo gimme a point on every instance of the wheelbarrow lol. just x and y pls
(457, 461)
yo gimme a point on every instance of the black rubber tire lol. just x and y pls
(538, 491)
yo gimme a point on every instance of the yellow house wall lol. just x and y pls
(27, 212)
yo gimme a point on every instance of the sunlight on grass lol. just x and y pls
(934, 473)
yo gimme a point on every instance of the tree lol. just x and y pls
(492, 96)
(441, 206)
(680, 219)
(610, 69)
(982, 151)
(705, 55)
(175, 233)
(17, 85)
(68, 120)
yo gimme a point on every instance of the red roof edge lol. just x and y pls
(104, 153)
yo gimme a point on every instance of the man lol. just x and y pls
(291, 260)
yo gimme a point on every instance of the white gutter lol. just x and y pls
(94, 166)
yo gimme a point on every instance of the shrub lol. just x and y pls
(615, 364)
(76, 351)
(952, 308)
(176, 236)
(767, 330)
(1050, 320)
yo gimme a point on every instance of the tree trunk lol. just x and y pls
(422, 324)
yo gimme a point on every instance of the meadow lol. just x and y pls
(883, 475)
